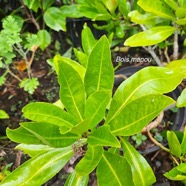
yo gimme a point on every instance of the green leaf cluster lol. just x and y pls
(91, 118)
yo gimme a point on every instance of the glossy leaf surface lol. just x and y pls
(90, 161)
(140, 167)
(113, 170)
(151, 36)
(44, 38)
(103, 137)
(99, 74)
(47, 112)
(72, 91)
(39, 169)
(138, 113)
(142, 83)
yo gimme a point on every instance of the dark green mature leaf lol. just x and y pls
(47, 112)
(150, 37)
(88, 40)
(96, 105)
(76, 180)
(44, 38)
(150, 80)
(55, 19)
(138, 113)
(157, 7)
(90, 161)
(41, 133)
(140, 167)
(103, 137)
(72, 91)
(113, 170)
(33, 150)
(174, 144)
(40, 168)
(99, 74)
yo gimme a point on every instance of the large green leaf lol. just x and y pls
(96, 105)
(150, 80)
(103, 137)
(90, 161)
(41, 133)
(55, 19)
(174, 144)
(46, 4)
(150, 37)
(44, 38)
(181, 102)
(183, 143)
(72, 91)
(76, 180)
(33, 150)
(147, 18)
(179, 66)
(3, 114)
(47, 112)
(138, 113)
(39, 169)
(140, 167)
(99, 74)
(182, 3)
(157, 7)
(88, 40)
(172, 4)
(114, 170)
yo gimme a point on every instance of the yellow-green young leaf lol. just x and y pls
(54, 19)
(90, 161)
(172, 4)
(76, 66)
(113, 170)
(41, 133)
(149, 37)
(182, 3)
(149, 80)
(44, 38)
(100, 73)
(96, 105)
(82, 57)
(181, 101)
(33, 150)
(181, 21)
(76, 180)
(72, 91)
(3, 114)
(183, 143)
(111, 5)
(174, 144)
(88, 40)
(179, 66)
(157, 7)
(71, 11)
(39, 169)
(147, 18)
(177, 173)
(140, 167)
(138, 113)
(103, 137)
(47, 112)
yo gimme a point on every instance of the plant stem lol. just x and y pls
(12, 74)
(176, 46)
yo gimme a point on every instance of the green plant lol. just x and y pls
(13, 45)
(3, 114)
(84, 124)
(139, 138)
(159, 20)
